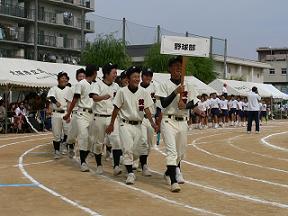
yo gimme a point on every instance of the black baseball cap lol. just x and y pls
(61, 74)
(174, 60)
(133, 69)
(106, 69)
(123, 75)
(147, 72)
(90, 69)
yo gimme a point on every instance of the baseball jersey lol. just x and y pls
(69, 96)
(214, 103)
(151, 89)
(83, 88)
(223, 104)
(100, 88)
(131, 104)
(166, 88)
(59, 94)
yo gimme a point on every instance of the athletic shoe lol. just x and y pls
(167, 179)
(71, 153)
(175, 188)
(99, 170)
(64, 149)
(57, 155)
(248, 132)
(130, 179)
(117, 171)
(146, 171)
(84, 167)
(257, 132)
(179, 176)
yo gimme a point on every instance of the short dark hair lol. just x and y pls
(174, 60)
(254, 89)
(123, 75)
(91, 69)
(61, 74)
(79, 71)
(133, 69)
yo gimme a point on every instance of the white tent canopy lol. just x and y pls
(29, 73)
(242, 88)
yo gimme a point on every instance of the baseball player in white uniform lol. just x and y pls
(56, 95)
(131, 102)
(84, 113)
(174, 121)
(72, 134)
(147, 139)
(103, 93)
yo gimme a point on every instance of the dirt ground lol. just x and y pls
(227, 172)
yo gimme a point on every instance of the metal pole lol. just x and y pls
(211, 47)
(36, 30)
(158, 34)
(187, 34)
(225, 60)
(124, 33)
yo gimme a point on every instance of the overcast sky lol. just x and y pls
(247, 24)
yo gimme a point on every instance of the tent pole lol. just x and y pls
(281, 109)
(6, 113)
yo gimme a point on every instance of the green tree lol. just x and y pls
(104, 50)
(201, 68)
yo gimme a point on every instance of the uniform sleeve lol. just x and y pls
(119, 99)
(78, 88)
(148, 102)
(95, 89)
(51, 93)
(161, 91)
(69, 95)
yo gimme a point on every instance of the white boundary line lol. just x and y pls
(263, 140)
(21, 137)
(235, 195)
(23, 141)
(54, 193)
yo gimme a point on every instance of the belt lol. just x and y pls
(59, 111)
(100, 115)
(85, 110)
(132, 122)
(177, 118)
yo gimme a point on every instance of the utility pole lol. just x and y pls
(124, 33)
(158, 34)
(36, 31)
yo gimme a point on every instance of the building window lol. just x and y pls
(284, 71)
(272, 71)
(258, 75)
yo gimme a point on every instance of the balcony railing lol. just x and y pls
(17, 11)
(59, 42)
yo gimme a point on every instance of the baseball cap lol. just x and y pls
(108, 67)
(133, 69)
(61, 74)
(147, 72)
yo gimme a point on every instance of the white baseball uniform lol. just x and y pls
(102, 112)
(84, 114)
(174, 122)
(131, 114)
(58, 124)
(147, 138)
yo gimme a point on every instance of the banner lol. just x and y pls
(185, 46)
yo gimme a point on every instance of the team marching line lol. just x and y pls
(121, 116)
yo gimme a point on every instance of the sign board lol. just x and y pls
(185, 46)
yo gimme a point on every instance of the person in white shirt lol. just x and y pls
(20, 116)
(224, 110)
(73, 130)
(56, 95)
(206, 99)
(84, 113)
(224, 90)
(176, 100)
(232, 105)
(202, 106)
(131, 103)
(240, 112)
(263, 111)
(215, 109)
(253, 109)
(103, 93)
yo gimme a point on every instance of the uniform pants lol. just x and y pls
(130, 137)
(147, 138)
(84, 123)
(99, 136)
(59, 126)
(175, 139)
(73, 130)
(253, 115)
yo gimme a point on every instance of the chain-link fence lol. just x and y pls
(136, 34)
